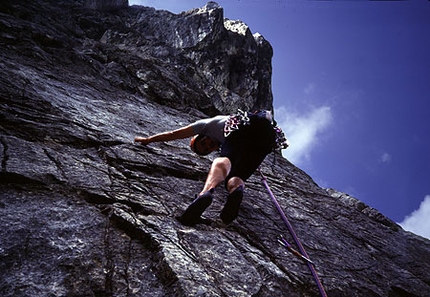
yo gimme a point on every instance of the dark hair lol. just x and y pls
(193, 142)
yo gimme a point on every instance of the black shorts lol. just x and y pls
(247, 147)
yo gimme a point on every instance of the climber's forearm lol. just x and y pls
(167, 136)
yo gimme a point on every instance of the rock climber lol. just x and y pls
(244, 140)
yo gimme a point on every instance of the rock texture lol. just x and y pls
(106, 4)
(85, 212)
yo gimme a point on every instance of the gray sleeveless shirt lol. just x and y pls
(211, 127)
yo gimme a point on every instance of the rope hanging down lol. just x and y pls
(282, 240)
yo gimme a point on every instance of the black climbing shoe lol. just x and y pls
(231, 207)
(191, 215)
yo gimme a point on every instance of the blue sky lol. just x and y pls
(351, 86)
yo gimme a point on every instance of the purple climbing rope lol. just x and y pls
(293, 234)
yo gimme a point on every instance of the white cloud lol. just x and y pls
(385, 158)
(137, 2)
(302, 131)
(418, 221)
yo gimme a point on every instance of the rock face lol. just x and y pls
(106, 4)
(85, 212)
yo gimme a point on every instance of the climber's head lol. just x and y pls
(203, 145)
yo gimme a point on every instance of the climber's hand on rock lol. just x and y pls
(142, 140)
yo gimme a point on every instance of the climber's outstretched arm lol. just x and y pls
(180, 133)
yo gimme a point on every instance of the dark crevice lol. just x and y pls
(162, 270)
(103, 199)
(15, 178)
(5, 155)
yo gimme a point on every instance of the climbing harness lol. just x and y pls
(302, 254)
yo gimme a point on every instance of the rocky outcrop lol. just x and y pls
(106, 4)
(85, 212)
